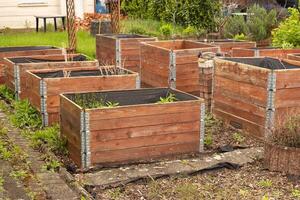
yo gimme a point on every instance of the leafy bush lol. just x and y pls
(260, 22)
(241, 36)
(200, 14)
(236, 25)
(190, 31)
(288, 32)
(137, 30)
(6, 93)
(166, 30)
(25, 116)
(288, 134)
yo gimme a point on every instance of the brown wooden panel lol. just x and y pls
(287, 97)
(239, 52)
(144, 153)
(287, 78)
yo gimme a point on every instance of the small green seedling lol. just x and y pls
(110, 104)
(168, 99)
(265, 183)
(238, 137)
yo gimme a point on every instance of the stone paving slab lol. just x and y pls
(123, 175)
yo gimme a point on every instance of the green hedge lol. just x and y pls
(196, 13)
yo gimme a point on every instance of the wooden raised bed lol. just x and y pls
(121, 50)
(173, 63)
(16, 68)
(23, 51)
(226, 45)
(253, 94)
(44, 86)
(282, 159)
(263, 52)
(295, 56)
(138, 129)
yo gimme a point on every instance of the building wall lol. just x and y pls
(20, 13)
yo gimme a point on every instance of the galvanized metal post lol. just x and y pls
(270, 109)
(118, 53)
(43, 95)
(17, 81)
(85, 140)
(202, 127)
(172, 70)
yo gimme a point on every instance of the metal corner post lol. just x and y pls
(85, 140)
(202, 127)
(270, 109)
(17, 81)
(43, 95)
(172, 70)
(118, 53)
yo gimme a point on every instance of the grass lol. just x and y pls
(85, 43)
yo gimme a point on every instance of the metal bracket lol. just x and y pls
(270, 109)
(17, 81)
(137, 82)
(256, 53)
(85, 139)
(118, 53)
(43, 95)
(202, 127)
(172, 70)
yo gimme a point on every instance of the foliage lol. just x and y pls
(6, 93)
(288, 134)
(50, 137)
(288, 32)
(25, 115)
(260, 22)
(265, 183)
(190, 31)
(257, 27)
(208, 140)
(238, 137)
(137, 30)
(168, 99)
(52, 165)
(19, 174)
(166, 30)
(235, 25)
(93, 101)
(200, 14)
(241, 36)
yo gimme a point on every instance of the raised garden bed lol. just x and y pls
(45, 86)
(253, 94)
(16, 68)
(295, 56)
(282, 159)
(122, 50)
(263, 52)
(173, 63)
(137, 129)
(226, 45)
(23, 51)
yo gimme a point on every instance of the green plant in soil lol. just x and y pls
(19, 174)
(6, 93)
(52, 165)
(296, 193)
(93, 101)
(1, 184)
(238, 137)
(208, 140)
(187, 191)
(265, 183)
(169, 98)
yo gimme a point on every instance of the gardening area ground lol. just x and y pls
(35, 162)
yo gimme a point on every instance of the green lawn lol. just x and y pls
(85, 43)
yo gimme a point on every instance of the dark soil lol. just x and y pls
(36, 60)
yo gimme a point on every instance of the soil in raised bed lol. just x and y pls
(124, 36)
(220, 40)
(38, 60)
(267, 63)
(26, 48)
(78, 73)
(131, 97)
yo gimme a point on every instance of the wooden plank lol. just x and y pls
(287, 97)
(164, 129)
(144, 153)
(174, 138)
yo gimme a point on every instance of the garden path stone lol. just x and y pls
(11, 189)
(53, 185)
(120, 176)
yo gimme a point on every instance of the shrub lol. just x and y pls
(190, 31)
(137, 30)
(288, 134)
(288, 31)
(6, 93)
(241, 36)
(260, 22)
(236, 25)
(166, 30)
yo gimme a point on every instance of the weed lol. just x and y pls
(1, 184)
(208, 140)
(265, 183)
(168, 99)
(243, 193)
(93, 101)
(6, 93)
(296, 193)
(238, 137)
(265, 197)
(166, 30)
(115, 193)
(82, 198)
(49, 137)
(25, 115)
(187, 191)
(19, 174)
(52, 165)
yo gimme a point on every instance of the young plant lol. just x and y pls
(6, 93)
(19, 174)
(170, 97)
(238, 137)
(265, 183)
